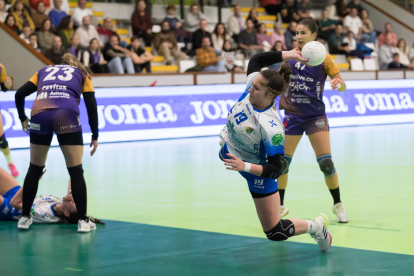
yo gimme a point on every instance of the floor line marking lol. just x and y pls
(73, 269)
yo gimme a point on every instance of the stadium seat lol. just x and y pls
(370, 64)
(357, 65)
(186, 64)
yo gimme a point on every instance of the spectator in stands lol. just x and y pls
(229, 57)
(142, 23)
(236, 23)
(33, 3)
(278, 46)
(342, 9)
(93, 58)
(248, 41)
(355, 4)
(412, 63)
(86, 32)
(3, 13)
(57, 14)
(388, 32)
(272, 7)
(277, 35)
(33, 41)
(396, 64)
(288, 12)
(56, 53)
(166, 45)
(367, 27)
(65, 31)
(199, 34)
(75, 48)
(253, 16)
(335, 43)
(11, 23)
(193, 18)
(208, 59)
(327, 26)
(263, 40)
(303, 9)
(107, 30)
(218, 36)
(290, 35)
(294, 44)
(26, 33)
(351, 42)
(21, 15)
(403, 52)
(119, 59)
(142, 58)
(80, 12)
(411, 54)
(64, 7)
(386, 51)
(39, 16)
(176, 26)
(45, 36)
(353, 23)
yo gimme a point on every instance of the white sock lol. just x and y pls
(8, 158)
(313, 227)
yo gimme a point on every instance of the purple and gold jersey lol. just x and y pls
(3, 73)
(59, 86)
(304, 95)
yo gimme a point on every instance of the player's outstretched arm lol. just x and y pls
(259, 61)
(92, 109)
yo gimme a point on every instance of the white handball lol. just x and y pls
(315, 52)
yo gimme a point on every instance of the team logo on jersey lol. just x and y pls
(320, 123)
(230, 127)
(277, 139)
(285, 123)
(273, 124)
(249, 130)
(34, 126)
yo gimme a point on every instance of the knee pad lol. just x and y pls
(286, 164)
(75, 171)
(35, 171)
(326, 165)
(3, 142)
(282, 231)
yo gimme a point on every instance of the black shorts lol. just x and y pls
(260, 195)
(66, 139)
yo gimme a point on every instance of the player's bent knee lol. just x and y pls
(286, 164)
(76, 171)
(3, 142)
(326, 165)
(283, 230)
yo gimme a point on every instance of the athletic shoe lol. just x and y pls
(24, 223)
(283, 211)
(86, 226)
(339, 211)
(13, 170)
(323, 236)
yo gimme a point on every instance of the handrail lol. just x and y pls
(389, 15)
(42, 58)
(399, 5)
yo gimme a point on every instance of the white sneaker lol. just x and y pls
(86, 226)
(323, 237)
(24, 223)
(339, 211)
(283, 211)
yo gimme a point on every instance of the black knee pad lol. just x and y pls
(282, 231)
(286, 164)
(35, 171)
(3, 142)
(326, 165)
(75, 171)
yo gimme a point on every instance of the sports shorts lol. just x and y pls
(7, 212)
(296, 125)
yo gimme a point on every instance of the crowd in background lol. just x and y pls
(345, 29)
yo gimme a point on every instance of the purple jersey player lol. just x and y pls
(56, 110)
(305, 112)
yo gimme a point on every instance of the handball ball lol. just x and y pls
(315, 52)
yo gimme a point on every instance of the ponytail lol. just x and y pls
(278, 82)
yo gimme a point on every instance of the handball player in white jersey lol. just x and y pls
(253, 144)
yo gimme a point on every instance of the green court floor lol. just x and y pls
(172, 209)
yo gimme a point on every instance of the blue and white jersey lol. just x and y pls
(42, 209)
(253, 135)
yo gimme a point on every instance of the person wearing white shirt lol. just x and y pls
(385, 53)
(80, 12)
(3, 13)
(353, 23)
(26, 33)
(236, 23)
(87, 32)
